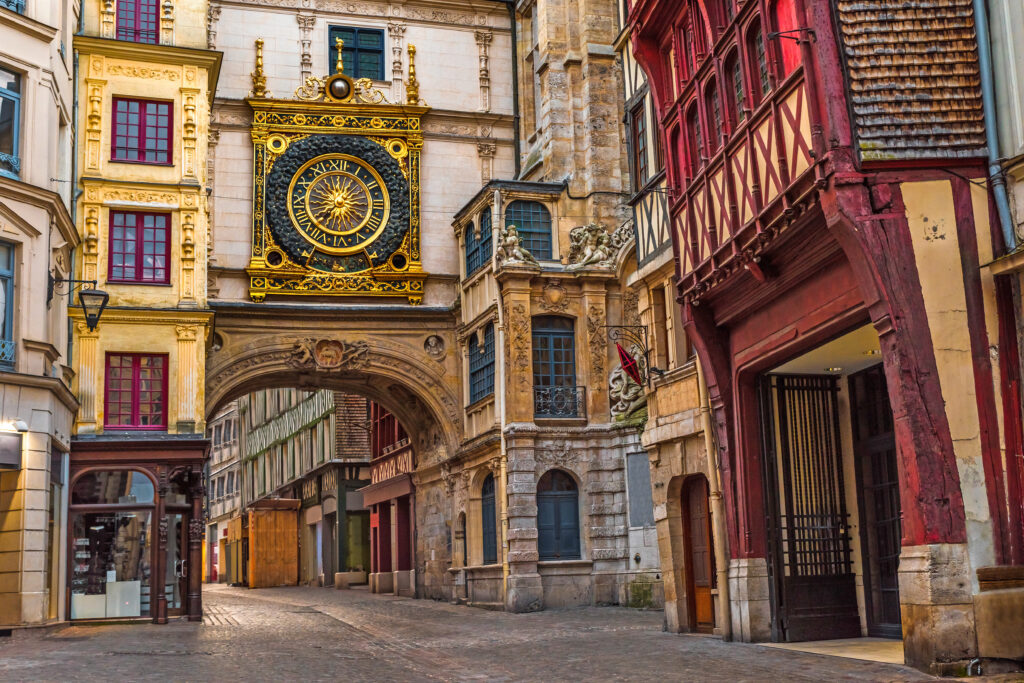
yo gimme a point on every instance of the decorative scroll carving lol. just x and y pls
(107, 19)
(306, 24)
(167, 22)
(212, 17)
(396, 32)
(189, 136)
(486, 152)
(483, 41)
(598, 340)
(554, 298)
(94, 116)
(590, 246)
(518, 322)
(329, 354)
(560, 456)
(631, 308)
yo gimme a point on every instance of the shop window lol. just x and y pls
(558, 527)
(142, 131)
(533, 222)
(112, 487)
(138, 21)
(481, 365)
(489, 521)
(139, 247)
(8, 346)
(784, 12)
(554, 368)
(10, 123)
(136, 391)
(638, 145)
(362, 52)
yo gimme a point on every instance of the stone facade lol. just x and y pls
(37, 238)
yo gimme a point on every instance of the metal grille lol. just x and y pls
(559, 402)
(813, 513)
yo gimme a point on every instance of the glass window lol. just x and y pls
(142, 131)
(481, 366)
(489, 521)
(478, 249)
(138, 21)
(7, 344)
(112, 487)
(761, 84)
(696, 151)
(110, 563)
(136, 391)
(554, 367)
(139, 247)
(638, 135)
(533, 222)
(10, 121)
(362, 51)
(736, 72)
(558, 528)
(714, 114)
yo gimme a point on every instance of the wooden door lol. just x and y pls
(879, 497)
(701, 575)
(813, 589)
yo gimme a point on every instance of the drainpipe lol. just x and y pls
(717, 508)
(499, 406)
(988, 99)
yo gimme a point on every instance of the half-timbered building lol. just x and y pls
(825, 172)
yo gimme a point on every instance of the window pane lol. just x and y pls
(112, 487)
(8, 124)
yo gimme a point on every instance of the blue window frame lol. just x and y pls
(10, 123)
(533, 222)
(14, 5)
(554, 352)
(481, 366)
(478, 249)
(362, 53)
(7, 345)
(558, 517)
(489, 522)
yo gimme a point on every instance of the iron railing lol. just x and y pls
(7, 349)
(559, 402)
(14, 5)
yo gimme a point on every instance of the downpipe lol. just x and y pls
(717, 508)
(988, 100)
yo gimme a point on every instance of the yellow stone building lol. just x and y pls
(146, 81)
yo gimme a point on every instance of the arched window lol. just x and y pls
(558, 517)
(695, 140)
(784, 12)
(713, 111)
(554, 367)
(734, 88)
(533, 222)
(112, 487)
(758, 61)
(489, 521)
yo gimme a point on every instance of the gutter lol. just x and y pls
(995, 169)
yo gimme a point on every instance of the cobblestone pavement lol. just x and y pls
(291, 634)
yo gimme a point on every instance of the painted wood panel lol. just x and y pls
(650, 215)
(796, 131)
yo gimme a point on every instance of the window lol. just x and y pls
(638, 146)
(554, 367)
(136, 391)
(138, 21)
(734, 71)
(714, 114)
(7, 344)
(139, 243)
(558, 527)
(533, 222)
(478, 249)
(17, 6)
(217, 438)
(696, 143)
(112, 487)
(142, 131)
(10, 120)
(481, 366)
(761, 85)
(489, 521)
(362, 53)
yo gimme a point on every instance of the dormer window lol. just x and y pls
(533, 222)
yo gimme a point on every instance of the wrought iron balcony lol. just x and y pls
(14, 5)
(559, 402)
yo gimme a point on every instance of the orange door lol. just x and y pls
(701, 577)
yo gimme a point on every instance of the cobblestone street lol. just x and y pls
(291, 634)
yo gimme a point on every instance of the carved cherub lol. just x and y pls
(510, 248)
(590, 245)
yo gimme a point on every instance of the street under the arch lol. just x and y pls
(292, 634)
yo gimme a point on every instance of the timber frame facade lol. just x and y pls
(820, 220)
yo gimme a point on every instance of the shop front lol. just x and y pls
(136, 527)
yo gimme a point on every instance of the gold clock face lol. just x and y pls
(338, 203)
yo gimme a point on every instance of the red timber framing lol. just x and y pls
(783, 242)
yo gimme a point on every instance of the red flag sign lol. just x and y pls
(629, 364)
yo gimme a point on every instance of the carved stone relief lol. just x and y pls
(597, 336)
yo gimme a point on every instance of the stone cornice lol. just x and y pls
(45, 199)
(43, 32)
(158, 54)
(52, 384)
(147, 316)
(458, 14)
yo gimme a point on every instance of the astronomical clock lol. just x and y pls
(336, 184)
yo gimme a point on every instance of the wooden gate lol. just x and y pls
(812, 582)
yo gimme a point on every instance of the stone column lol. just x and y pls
(515, 294)
(187, 378)
(157, 578)
(88, 375)
(525, 591)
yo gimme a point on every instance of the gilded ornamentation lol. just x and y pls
(259, 79)
(597, 336)
(328, 354)
(510, 249)
(590, 246)
(412, 86)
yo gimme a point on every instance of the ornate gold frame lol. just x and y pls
(275, 124)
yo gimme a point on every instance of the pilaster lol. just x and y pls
(87, 377)
(396, 33)
(167, 22)
(519, 346)
(306, 24)
(483, 41)
(106, 19)
(187, 377)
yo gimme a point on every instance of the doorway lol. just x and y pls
(700, 579)
(874, 445)
(176, 570)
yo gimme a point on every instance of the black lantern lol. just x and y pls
(93, 302)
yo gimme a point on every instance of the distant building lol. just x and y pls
(223, 488)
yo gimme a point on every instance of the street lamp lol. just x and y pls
(92, 300)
